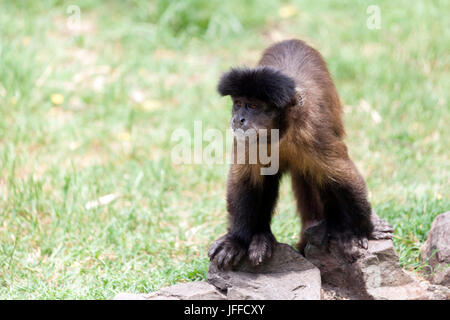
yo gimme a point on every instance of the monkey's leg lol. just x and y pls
(308, 204)
(250, 206)
(347, 212)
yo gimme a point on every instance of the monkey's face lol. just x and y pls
(261, 97)
(254, 114)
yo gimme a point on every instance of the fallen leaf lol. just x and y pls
(102, 201)
(57, 98)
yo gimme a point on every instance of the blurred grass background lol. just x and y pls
(89, 111)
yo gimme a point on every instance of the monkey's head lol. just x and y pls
(261, 97)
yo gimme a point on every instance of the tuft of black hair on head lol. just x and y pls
(263, 83)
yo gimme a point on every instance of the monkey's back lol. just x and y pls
(306, 66)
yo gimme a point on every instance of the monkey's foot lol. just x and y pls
(381, 229)
(261, 247)
(226, 252)
(348, 244)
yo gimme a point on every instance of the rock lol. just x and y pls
(437, 292)
(436, 250)
(197, 290)
(376, 274)
(286, 275)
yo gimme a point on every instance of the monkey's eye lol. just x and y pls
(252, 106)
(238, 103)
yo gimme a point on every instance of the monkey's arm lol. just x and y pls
(250, 203)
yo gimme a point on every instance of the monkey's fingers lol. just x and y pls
(256, 256)
(237, 258)
(363, 243)
(260, 248)
(214, 249)
(387, 228)
(379, 235)
(225, 253)
(349, 245)
(229, 256)
(221, 258)
(227, 259)
(382, 226)
(382, 230)
(350, 253)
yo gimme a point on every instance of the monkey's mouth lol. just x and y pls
(253, 135)
(245, 130)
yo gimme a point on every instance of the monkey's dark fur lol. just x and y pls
(263, 83)
(292, 90)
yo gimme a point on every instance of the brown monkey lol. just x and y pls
(291, 90)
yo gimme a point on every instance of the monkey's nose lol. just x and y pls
(242, 120)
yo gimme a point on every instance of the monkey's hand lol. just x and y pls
(348, 244)
(381, 229)
(261, 247)
(226, 252)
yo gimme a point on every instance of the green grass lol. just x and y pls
(54, 159)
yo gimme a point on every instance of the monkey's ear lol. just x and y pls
(263, 83)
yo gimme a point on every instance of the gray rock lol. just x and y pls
(436, 250)
(286, 275)
(376, 274)
(437, 292)
(197, 290)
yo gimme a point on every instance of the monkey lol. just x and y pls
(291, 90)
